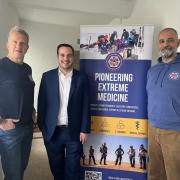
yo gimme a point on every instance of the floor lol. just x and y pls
(38, 167)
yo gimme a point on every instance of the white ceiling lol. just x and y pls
(73, 12)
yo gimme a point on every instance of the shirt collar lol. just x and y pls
(67, 75)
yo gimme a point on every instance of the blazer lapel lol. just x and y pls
(56, 83)
(73, 84)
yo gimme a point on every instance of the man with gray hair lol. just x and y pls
(163, 90)
(16, 106)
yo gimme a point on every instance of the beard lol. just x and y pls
(167, 52)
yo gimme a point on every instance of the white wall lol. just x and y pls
(44, 39)
(160, 13)
(8, 19)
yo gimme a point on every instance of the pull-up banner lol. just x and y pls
(116, 59)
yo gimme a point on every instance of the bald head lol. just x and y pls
(172, 30)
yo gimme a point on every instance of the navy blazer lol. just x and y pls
(78, 105)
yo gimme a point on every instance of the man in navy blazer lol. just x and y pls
(64, 115)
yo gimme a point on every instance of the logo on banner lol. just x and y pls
(114, 61)
(174, 75)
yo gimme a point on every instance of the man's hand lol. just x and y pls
(8, 124)
(83, 137)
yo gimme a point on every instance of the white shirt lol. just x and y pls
(64, 89)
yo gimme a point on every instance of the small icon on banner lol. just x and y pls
(120, 125)
(137, 125)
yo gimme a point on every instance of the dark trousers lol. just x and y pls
(103, 156)
(92, 156)
(132, 161)
(15, 146)
(119, 158)
(142, 160)
(64, 155)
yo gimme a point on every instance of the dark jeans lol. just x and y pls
(15, 146)
(64, 155)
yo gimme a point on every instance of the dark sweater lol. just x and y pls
(16, 91)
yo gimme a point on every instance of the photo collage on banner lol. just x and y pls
(116, 59)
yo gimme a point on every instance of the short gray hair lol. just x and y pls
(19, 30)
